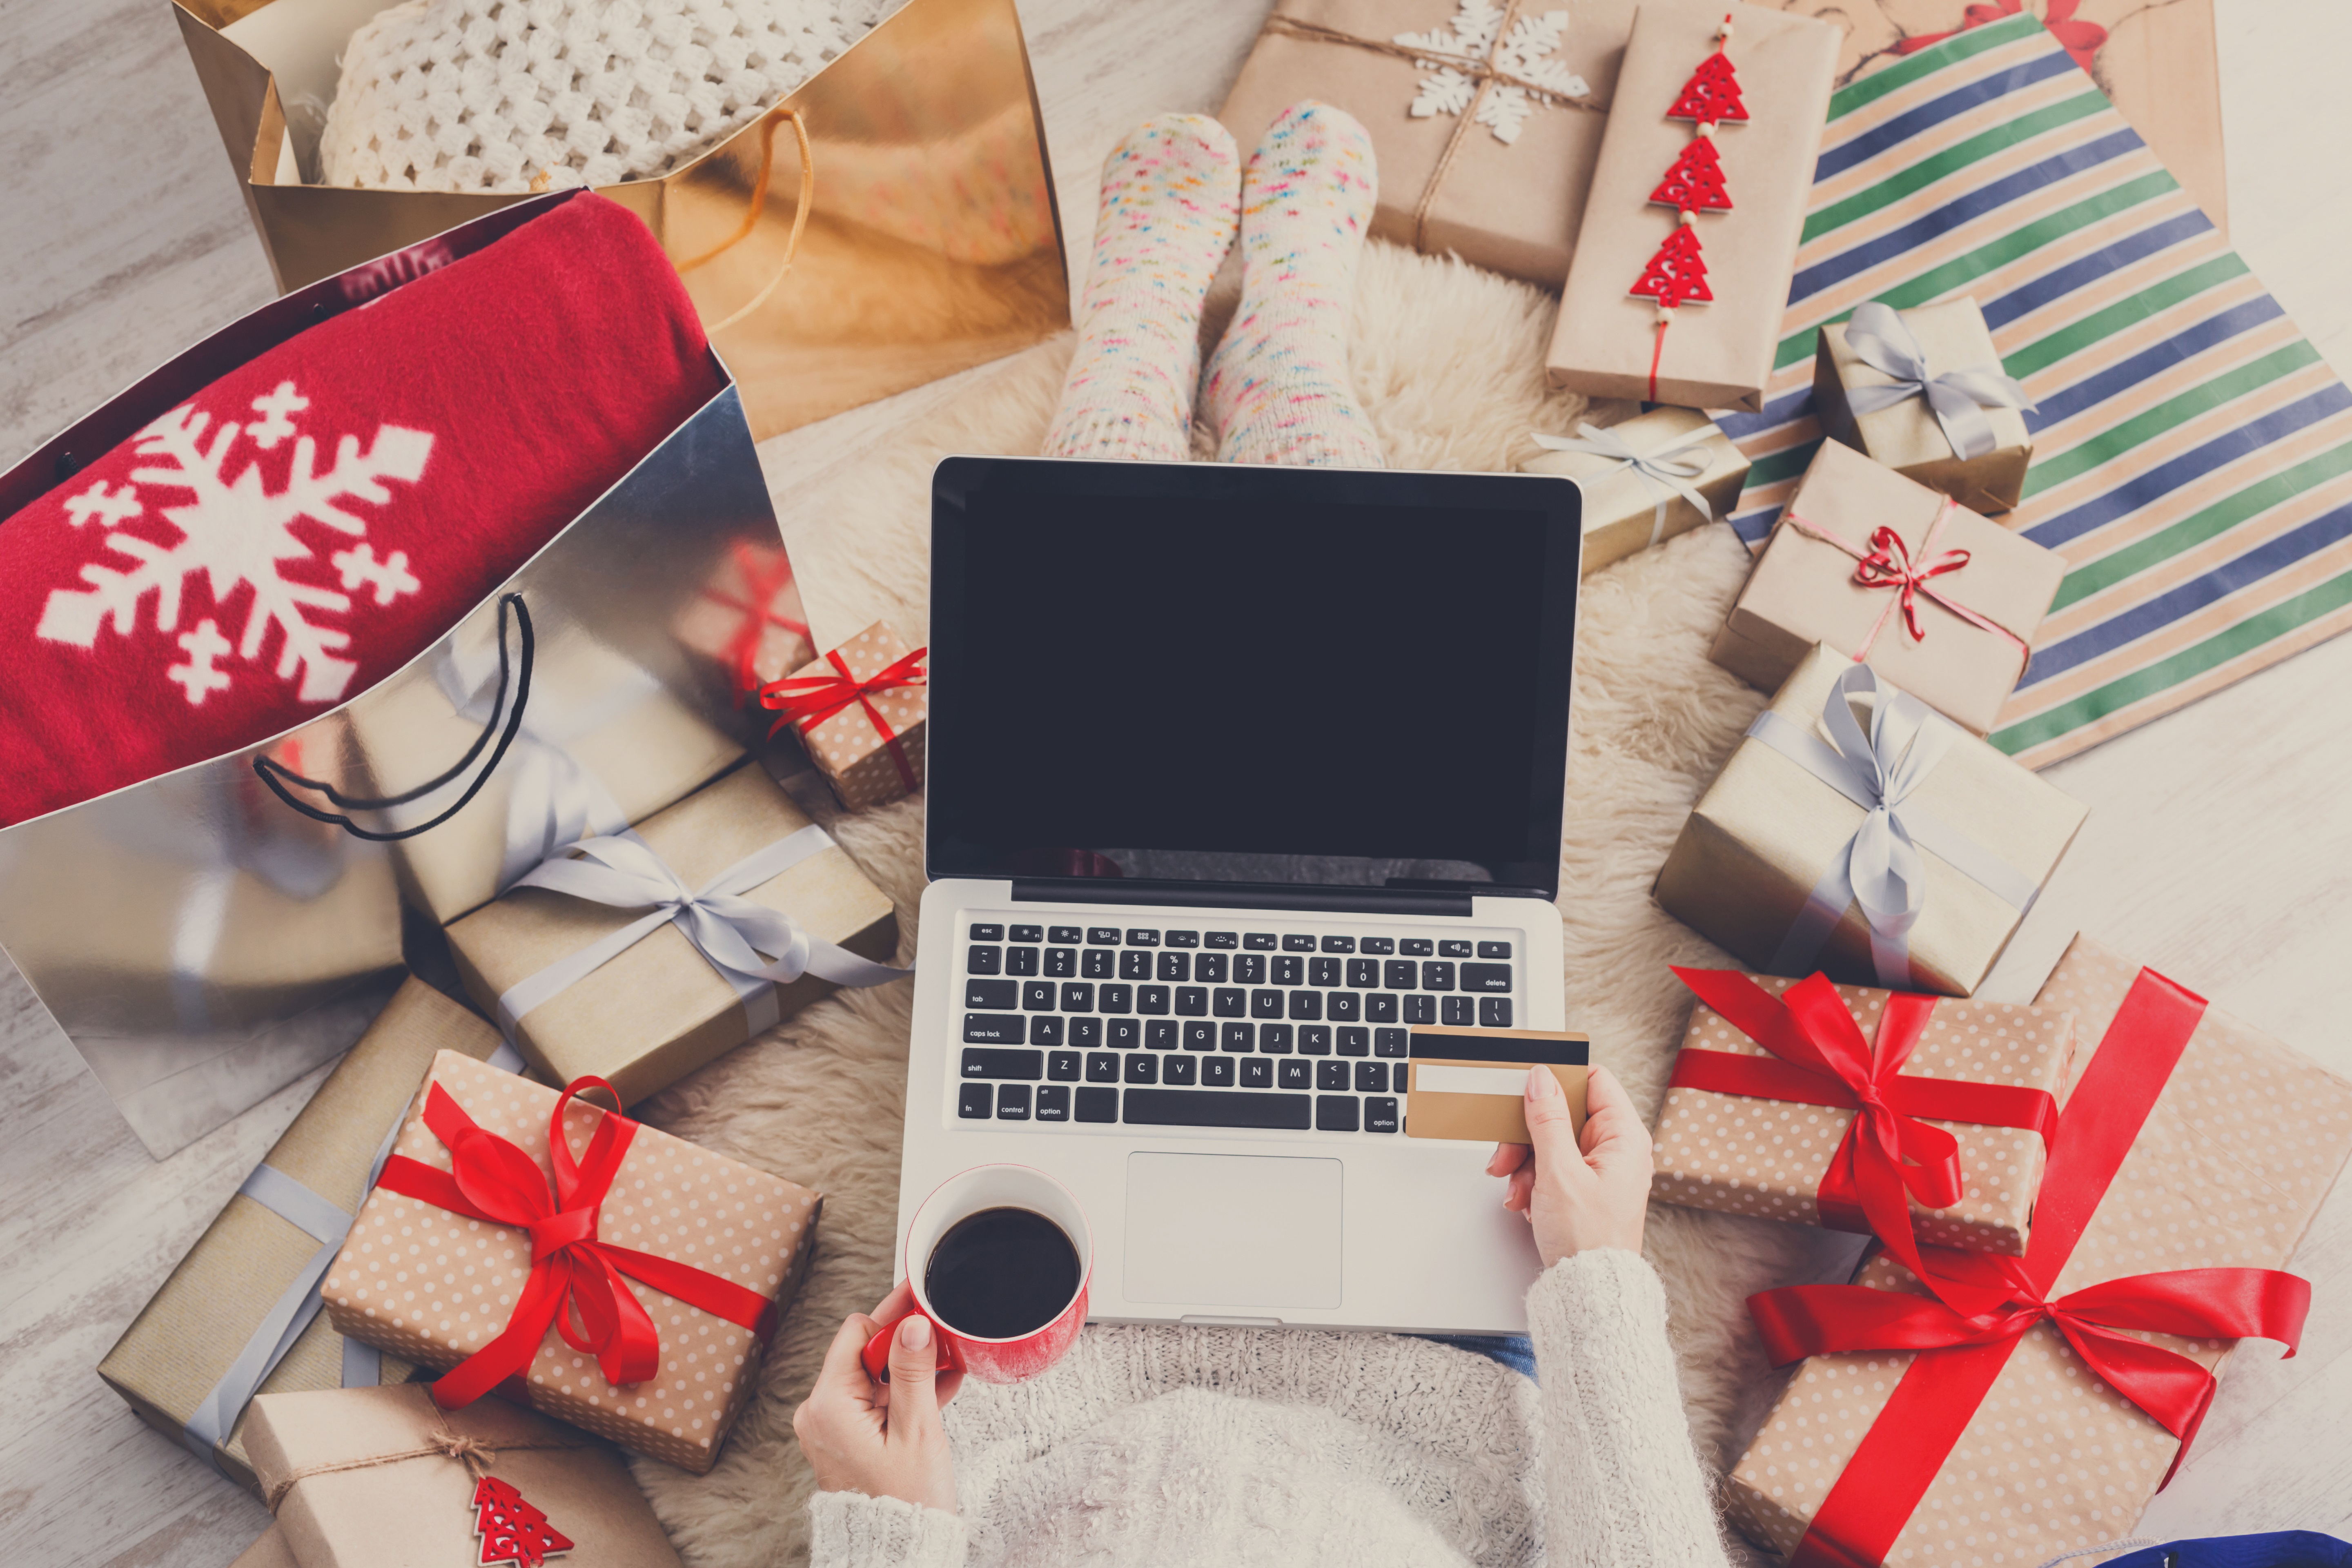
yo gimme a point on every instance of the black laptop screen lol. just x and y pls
(1329, 678)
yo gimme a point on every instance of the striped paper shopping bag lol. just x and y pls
(2193, 453)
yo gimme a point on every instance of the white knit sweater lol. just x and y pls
(1160, 1446)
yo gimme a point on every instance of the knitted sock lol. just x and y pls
(1171, 192)
(1279, 390)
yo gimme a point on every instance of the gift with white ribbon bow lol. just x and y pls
(1646, 479)
(1923, 391)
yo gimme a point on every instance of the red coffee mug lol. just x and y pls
(957, 1198)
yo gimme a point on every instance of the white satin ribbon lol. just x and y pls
(1959, 398)
(730, 931)
(1664, 473)
(1880, 867)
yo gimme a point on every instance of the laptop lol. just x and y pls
(1236, 774)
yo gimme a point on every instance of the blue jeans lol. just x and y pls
(1514, 1351)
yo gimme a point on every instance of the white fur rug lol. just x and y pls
(1449, 360)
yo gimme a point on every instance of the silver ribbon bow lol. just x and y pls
(1665, 473)
(1957, 397)
(1880, 867)
(730, 931)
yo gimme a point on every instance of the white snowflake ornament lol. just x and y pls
(1523, 54)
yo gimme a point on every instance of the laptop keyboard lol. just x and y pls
(1291, 1028)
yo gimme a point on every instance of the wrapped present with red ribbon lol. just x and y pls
(492, 1253)
(1921, 1120)
(747, 622)
(2010, 1410)
(860, 711)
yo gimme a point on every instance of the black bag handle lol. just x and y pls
(272, 771)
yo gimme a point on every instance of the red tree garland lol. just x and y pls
(512, 1531)
(1695, 182)
(1675, 274)
(1711, 97)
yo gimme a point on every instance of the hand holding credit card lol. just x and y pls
(1470, 1084)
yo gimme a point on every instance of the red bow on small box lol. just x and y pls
(807, 700)
(1888, 566)
(2082, 40)
(1824, 1059)
(576, 1281)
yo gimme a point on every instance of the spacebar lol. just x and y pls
(1214, 1108)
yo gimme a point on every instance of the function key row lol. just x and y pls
(1006, 1029)
(1255, 941)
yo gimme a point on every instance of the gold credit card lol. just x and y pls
(1473, 1083)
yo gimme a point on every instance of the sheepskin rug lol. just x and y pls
(1449, 361)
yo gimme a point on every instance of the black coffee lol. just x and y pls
(1002, 1273)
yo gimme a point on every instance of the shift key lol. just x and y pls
(1030, 1065)
(995, 1028)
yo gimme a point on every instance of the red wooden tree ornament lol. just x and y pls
(1711, 97)
(1676, 273)
(512, 1531)
(1695, 182)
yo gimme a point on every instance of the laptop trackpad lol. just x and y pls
(1233, 1230)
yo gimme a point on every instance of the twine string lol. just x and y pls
(477, 1455)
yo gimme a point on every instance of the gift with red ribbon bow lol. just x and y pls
(860, 712)
(1917, 1119)
(491, 1253)
(2039, 1416)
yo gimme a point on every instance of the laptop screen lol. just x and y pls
(1249, 675)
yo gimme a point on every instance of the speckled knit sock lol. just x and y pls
(1170, 200)
(1279, 390)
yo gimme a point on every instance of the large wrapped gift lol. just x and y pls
(1486, 120)
(2034, 1412)
(1856, 832)
(382, 1477)
(240, 1314)
(1863, 1110)
(1901, 577)
(861, 711)
(636, 958)
(1923, 391)
(489, 1250)
(1646, 479)
(269, 1551)
(1690, 232)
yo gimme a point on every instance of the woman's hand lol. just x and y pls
(882, 1439)
(1574, 1198)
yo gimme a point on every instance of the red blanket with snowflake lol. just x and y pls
(309, 523)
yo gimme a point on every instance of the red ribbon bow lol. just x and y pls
(1888, 566)
(1824, 1059)
(1960, 1357)
(807, 700)
(575, 1284)
(2082, 40)
(762, 581)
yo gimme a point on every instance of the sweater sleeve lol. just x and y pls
(850, 1529)
(1623, 1486)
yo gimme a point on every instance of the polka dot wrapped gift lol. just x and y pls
(629, 1290)
(860, 712)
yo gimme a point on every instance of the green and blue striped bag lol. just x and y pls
(2193, 453)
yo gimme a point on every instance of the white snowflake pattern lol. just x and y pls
(239, 534)
(1523, 54)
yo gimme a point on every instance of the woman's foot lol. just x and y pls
(1279, 390)
(1171, 206)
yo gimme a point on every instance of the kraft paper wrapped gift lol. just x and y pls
(2225, 1171)
(581, 996)
(1922, 391)
(1645, 478)
(1976, 619)
(747, 624)
(1471, 162)
(382, 1478)
(437, 1285)
(860, 712)
(1780, 1158)
(269, 1551)
(1717, 354)
(175, 1362)
(1762, 867)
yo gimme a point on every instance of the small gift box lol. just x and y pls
(1646, 480)
(746, 623)
(1486, 120)
(1856, 832)
(1922, 391)
(1863, 1110)
(1689, 236)
(638, 957)
(240, 1314)
(382, 1477)
(860, 711)
(2029, 1407)
(1944, 603)
(512, 1267)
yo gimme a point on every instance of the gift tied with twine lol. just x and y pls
(477, 1455)
(1960, 1353)
(808, 701)
(1880, 867)
(1888, 563)
(1821, 1057)
(1480, 69)
(1959, 398)
(1665, 473)
(759, 204)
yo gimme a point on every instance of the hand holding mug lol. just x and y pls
(1578, 1198)
(882, 1439)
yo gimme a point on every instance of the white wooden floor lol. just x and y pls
(2220, 845)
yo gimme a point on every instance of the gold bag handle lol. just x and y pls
(759, 204)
